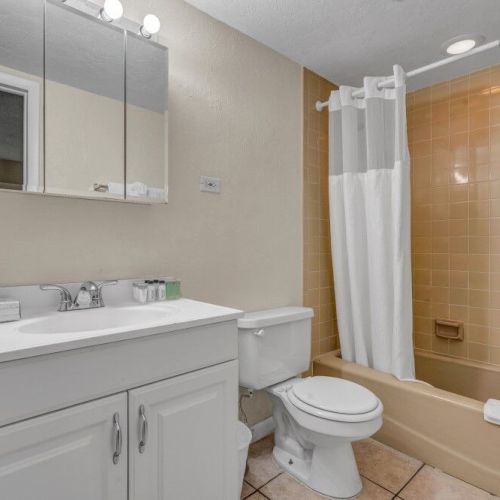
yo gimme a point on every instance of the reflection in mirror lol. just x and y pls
(21, 95)
(146, 139)
(84, 104)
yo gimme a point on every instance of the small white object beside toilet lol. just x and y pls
(244, 438)
(316, 418)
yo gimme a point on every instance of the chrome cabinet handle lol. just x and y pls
(143, 429)
(118, 438)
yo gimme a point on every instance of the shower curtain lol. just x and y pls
(369, 181)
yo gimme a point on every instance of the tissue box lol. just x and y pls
(10, 310)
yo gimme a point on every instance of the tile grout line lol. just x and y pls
(257, 489)
(383, 487)
(263, 494)
(267, 482)
(409, 480)
(250, 494)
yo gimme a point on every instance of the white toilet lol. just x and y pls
(315, 418)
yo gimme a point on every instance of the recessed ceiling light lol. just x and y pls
(461, 44)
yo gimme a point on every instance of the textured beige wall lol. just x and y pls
(235, 112)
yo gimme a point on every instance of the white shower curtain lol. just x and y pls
(370, 225)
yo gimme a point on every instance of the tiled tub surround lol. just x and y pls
(386, 474)
(438, 427)
(454, 135)
(318, 274)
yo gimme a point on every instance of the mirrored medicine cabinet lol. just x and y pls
(83, 103)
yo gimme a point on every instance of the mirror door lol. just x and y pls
(84, 104)
(146, 129)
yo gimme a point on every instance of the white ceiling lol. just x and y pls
(344, 40)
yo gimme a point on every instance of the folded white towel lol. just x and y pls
(115, 188)
(156, 194)
(137, 189)
(492, 411)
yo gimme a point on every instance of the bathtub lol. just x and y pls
(442, 428)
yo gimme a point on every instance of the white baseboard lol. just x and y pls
(262, 429)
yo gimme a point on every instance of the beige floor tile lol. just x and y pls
(383, 465)
(261, 465)
(432, 484)
(285, 487)
(246, 490)
(372, 491)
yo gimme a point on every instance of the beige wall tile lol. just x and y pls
(318, 282)
(454, 131)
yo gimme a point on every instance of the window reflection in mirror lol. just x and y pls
(11, 140)
(21, 95)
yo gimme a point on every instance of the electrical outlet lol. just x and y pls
(210, 184)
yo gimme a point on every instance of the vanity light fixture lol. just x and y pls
(461, 44)
(150, 26)
(112, 10)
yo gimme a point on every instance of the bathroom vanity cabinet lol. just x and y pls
(144, 418)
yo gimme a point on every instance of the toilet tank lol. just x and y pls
(273, 345)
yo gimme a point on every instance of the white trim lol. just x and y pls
(32, 165)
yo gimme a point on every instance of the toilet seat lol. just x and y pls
(334, 399)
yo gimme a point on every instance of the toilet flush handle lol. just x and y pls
(258, 333)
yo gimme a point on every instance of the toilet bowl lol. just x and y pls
(317, 418)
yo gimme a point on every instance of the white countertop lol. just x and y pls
(18, 341)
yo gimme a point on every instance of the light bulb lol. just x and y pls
(112, 10)
(150, 25)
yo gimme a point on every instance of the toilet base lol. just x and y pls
(331, 471)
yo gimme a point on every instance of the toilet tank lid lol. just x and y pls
(270, 317)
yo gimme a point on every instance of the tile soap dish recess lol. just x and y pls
(448, 329)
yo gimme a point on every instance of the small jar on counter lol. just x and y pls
(173, 289)
(140, 292)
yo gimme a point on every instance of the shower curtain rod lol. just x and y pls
(443, 62)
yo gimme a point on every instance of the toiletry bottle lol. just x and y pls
(162, 291)
(151, 291)
(140, 292)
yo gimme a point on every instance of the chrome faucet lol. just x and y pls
(89, 295)
(66, 303)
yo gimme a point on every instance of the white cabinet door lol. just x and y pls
(183, 437)
(67, 454)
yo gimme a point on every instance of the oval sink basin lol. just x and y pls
(92, 320)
